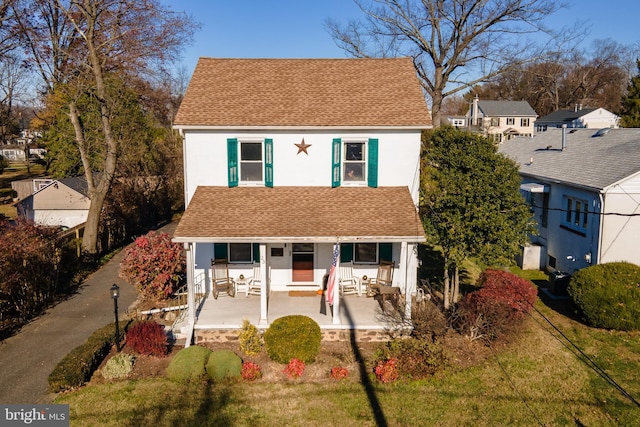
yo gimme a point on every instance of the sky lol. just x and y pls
(296, 28)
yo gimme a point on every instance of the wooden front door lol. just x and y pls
(302, 262)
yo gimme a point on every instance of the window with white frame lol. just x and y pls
(495, 121)
(251, 161)
(354, 161)
(524, 122)
(511, 121)
(576, 215)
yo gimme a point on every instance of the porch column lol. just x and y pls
(264, 286)
(407, 254)
(336, 295)
(191, 299)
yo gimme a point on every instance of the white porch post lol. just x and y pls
(264, 286)
(410, 265)
(191, 295)
(336, 294)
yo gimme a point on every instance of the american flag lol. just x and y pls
(331, 283)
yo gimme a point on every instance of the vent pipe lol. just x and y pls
(564, 136)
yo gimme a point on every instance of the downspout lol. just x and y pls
(600, 231)
(336, 290)
(409, 287)
(264, 287)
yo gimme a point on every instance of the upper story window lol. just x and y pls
(511, 121)
(354, 162)
(576, 214)
(524, 122)
(457, 122)
(250, 161)
(495, 121)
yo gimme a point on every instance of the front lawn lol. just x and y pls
(537, 379)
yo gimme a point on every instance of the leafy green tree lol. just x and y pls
(630, 115)
(471, 203)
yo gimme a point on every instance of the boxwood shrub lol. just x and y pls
(224, 364)
(294, 336)
(608, 295)
(189, 364)
(76, 368)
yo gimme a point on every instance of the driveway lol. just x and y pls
(28, 357)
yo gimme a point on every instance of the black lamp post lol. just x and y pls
(115, 293)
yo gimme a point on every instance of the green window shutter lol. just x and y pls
(268, 162)
(346, 252)
(256, 252)
(335, 163)
(232, 161)
(220, 251)
(385, 251)
(372, 163)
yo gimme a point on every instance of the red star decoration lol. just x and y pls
(302, 147)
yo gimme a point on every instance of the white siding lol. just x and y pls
(206, 158)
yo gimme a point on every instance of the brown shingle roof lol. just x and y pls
(286, 213)
(304, 92)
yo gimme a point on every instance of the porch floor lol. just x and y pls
(356, 312)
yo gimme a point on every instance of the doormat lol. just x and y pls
(303, 294)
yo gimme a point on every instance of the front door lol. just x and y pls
(302, 262)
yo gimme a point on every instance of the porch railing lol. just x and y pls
(182, 294)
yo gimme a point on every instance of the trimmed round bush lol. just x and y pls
(224, 364)
(293, 337)
(608, 295)
(119, 366)
(189, 364)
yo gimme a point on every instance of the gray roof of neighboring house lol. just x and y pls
(506, 108)
(564, 116)
(590, 161)
(77, 183)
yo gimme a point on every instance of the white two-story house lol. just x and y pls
(283, 158)
(501, 120)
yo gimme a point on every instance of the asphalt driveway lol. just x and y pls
(27, 358)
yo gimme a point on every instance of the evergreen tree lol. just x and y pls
(630, 116)
(471, 203)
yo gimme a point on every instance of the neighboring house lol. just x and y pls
(593, 118)
(584, 187)
(283, 158)
(26, 187)
(457, 121)
(501, 120)
(60, 203)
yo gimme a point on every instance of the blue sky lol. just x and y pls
(295, 28)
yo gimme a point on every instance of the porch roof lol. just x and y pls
(318, 214)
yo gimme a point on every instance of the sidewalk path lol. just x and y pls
(27, 358)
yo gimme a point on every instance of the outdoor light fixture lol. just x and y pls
(115, 294)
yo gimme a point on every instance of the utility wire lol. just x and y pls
(583, 357)
(513, 385)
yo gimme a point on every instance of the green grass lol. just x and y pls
(535, 380)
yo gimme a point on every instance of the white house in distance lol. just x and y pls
(283, 158)
(593, 118)
(501, 120)
(58, 203)
(584, 187)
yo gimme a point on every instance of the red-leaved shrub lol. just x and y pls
(148, 338)
(495, 308)
(339, 373)
(251, 371)
(294, 369)
(155, 265)
(386, 371)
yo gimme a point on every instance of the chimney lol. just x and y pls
(474, 112)
(579, 107)
(575, 108)
(564, 136)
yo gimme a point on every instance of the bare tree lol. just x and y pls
(77, 46)
(454, 44)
